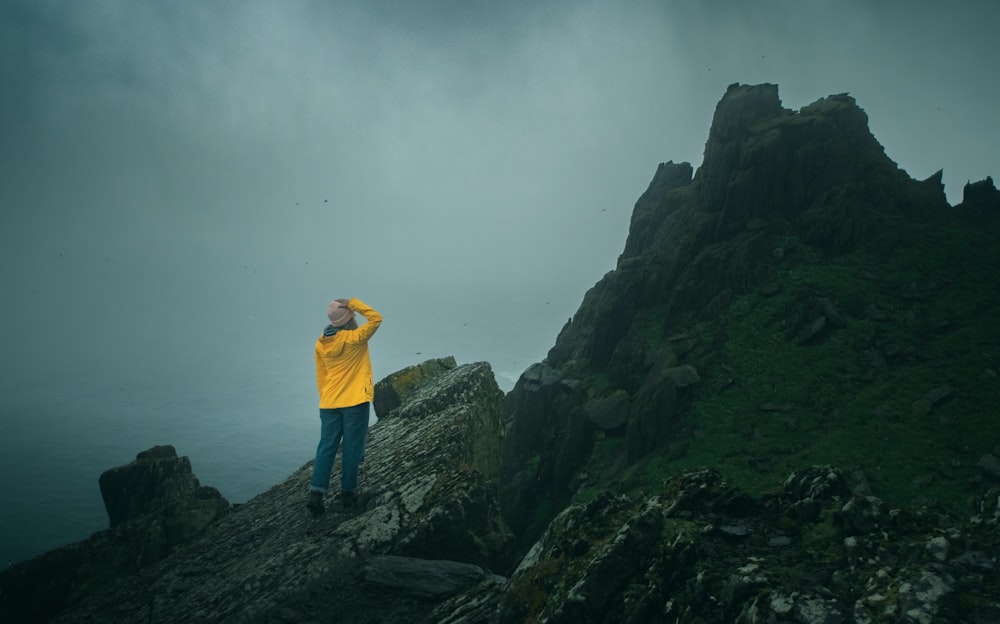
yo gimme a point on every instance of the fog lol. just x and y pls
(184, 186)
(192, 182)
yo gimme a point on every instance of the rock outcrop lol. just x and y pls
(389, 392)
(155, 504)
(161, 485)
(429, 527)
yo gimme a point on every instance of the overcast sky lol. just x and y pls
(207, 171)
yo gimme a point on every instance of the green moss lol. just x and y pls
(608, 453)
(822, 541)
(532, 465)
(546, 510)
(648, 325)
(598, 384)
(919, 318)
(529, 592)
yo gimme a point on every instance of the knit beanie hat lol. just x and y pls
(338, 313)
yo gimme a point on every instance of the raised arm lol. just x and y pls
(373, 318)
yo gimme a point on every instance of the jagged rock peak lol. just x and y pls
(763, 160)
(812, 170)
(668, 176)
(981, 191)
(770, 175)
(981, 200)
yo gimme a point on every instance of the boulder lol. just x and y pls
(160, 482)
(424, 578)
(608, 413)
(391, 390)
(682, 376)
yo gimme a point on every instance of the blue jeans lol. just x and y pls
(349, 424)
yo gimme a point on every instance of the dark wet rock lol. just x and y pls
(548, 439)
(424, 578)
(653, 418)
(990, 465)
(690, 553)
(735, 530)
(160, 482)
(976, 559)
(608, 413)
(682, 344)
(861, 514)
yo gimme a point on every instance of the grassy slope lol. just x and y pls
(848, 399)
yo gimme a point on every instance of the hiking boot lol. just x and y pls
(365, 497)
(315, 502)
(348, 499)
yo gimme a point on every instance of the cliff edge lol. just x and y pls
(429, 527)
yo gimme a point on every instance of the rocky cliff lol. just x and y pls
(779, 407)
(798, 300)
(797, 269)
(430, 526)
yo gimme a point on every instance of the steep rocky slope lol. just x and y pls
(430, 527)
(816, 328)
(789, 303)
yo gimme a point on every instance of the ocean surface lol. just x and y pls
(246, 420)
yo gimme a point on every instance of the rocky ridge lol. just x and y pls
(780, 193)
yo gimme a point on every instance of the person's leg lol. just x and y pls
(364, 445)
(355, 434)
(331, 432)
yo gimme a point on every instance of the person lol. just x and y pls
(346, 390)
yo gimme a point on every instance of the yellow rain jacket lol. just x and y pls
(343, 367)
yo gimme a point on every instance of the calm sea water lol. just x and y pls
(245, 426)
